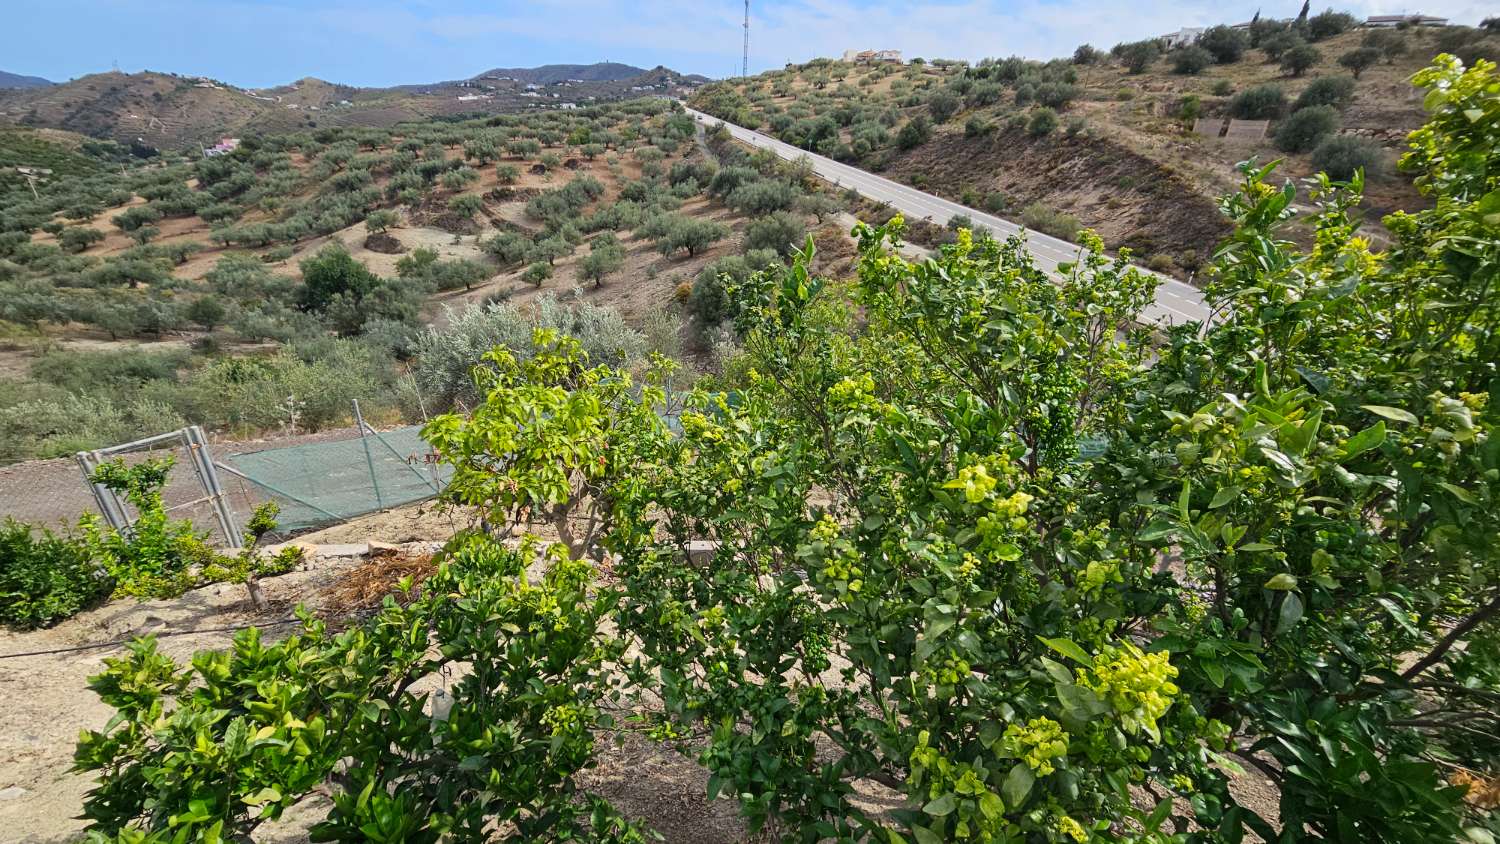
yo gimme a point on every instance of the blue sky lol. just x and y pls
(375, 42)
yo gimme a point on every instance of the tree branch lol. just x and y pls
(1459, 630)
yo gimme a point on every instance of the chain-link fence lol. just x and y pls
(317, 479)
(325, 482)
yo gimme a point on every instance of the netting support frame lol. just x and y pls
(200, 456)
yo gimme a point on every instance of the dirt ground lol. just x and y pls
(45, 701)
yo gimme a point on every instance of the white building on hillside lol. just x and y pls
(1182, 37)
(1397, 20)
(872, 56)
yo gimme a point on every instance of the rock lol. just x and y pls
(14, 792)
(383, 549)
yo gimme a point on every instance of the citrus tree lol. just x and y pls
(954, 551)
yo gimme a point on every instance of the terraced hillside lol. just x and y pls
(1106, 139)
(264, 289)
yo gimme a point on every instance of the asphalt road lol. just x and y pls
(1175, 303)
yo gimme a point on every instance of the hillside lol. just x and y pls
(549, 73)
(16, 80)
(174, 112)
(1089, 142)
(136, 294)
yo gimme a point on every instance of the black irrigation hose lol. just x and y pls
(121, 642)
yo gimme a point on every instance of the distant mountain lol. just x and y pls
(16, 80)
(550, 73)
(171, 111)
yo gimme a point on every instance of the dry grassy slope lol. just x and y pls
(1138, 174)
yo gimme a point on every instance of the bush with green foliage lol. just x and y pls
(916, 132)
(1359, 59)
(1329, 23)
(1300, 58)
(1224, 43)
(45, 578)
(1042, 122)
(1263, 102)
(1306, 128)
(781, 232)
(1190, 60)
(1341, 156)
(1137, 56)
(1335, 91)
(1047, 220)
(1277, 45)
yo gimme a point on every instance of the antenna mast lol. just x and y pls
(745, 59)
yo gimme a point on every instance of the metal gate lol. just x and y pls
(200, 500)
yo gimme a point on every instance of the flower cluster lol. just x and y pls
(1138, 685)
(1037, 744)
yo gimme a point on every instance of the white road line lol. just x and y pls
(1176, 302)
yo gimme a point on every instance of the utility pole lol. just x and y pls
(745, 59)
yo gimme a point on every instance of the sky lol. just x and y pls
(260, 43)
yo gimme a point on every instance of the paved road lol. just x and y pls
(1175, 303)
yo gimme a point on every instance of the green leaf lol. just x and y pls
(1069, 649)
(1291, 612)
(925, 835)
(1365, 440)
(1459, 492)
(1224, 495)
(1017, 784)
(1395, 414)
(942, 806)
(1282, 581)
(265, 795)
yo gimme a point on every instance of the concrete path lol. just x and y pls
(1176, 302)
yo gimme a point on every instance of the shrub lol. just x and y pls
(1189, 108)
(1190, 60)
(1042, 122)
(1263, 102)
(447, 356)
(1358, 60)
(1046, 220)
(1224, 43)
(1335, 91)
(1055, 95)
(1086, 54)
(1139, 55)
(1329, 23)
(331, 273)
(914, 133)
(780, 231)
(1341, 155)
(537, 273)
(79, 238)
(1298, 59)
(1306, 128)
(942, 105)
(1277, 45)
(379, 221)
(1222, 88)
(45, 578)
(709, 300)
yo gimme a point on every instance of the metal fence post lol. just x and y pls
(204, 459)
(359, 420)
(109, 503)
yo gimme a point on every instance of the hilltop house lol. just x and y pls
(1411, 20)
(872, 56)
(1182, 37)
